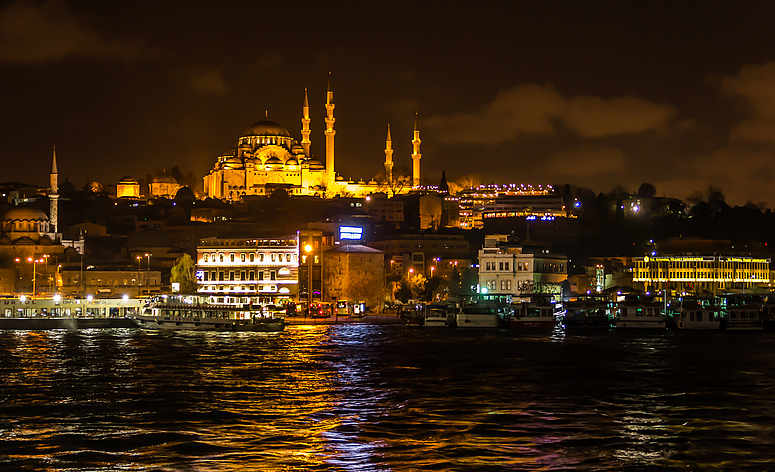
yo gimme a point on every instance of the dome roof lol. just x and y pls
(150, 237)
(185, 193)
(314, 163)
(126, 180)
(25, 213)
(291, 162)
(94, 187)
(164, 179)
(274, 160)
(266, 128)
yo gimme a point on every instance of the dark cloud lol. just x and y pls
(530, 109)
(755, 85)
(35, 33)
(586, 162)
(210, 82)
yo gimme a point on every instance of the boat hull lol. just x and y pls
(176, 323)
(477, 320)
(640, 324)
(533, 324)
(44, 323)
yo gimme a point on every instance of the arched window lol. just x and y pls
(231, 257)
(261, 257)
(205, 257)
(221, 257)
(242, 257)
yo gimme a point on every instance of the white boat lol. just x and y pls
(439, 316)
(481, 315)
(743, 312)
(702, 313)
(44, 313)
(177, 314)
(637, 311)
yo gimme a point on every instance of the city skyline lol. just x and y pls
(596, 95)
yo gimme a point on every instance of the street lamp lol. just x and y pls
(138, 262)
(149, 260)
(308, 250)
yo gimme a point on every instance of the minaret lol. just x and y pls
(416, 154)
(53, 195)
(305, 142)
(389, 158)
(330, 173)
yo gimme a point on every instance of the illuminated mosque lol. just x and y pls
(267, 158)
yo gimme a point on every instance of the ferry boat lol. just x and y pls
(190, 314)
(482, 315)
(691, 312)
(536, 313)
(45, 313)
(413, 314)
(638, 311)
(743, 311)
(439, 316)
(588, 311)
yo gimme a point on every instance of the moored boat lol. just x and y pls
(439, 316)
(47, 313)
(639, 311)
(482, 315)
(743, 311)
(701, 313)
(537, 313)
(175, 313)
(588, 311)
(412, 314)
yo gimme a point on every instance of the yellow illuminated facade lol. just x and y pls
(248, 270)
(694, 274)
(508, 201)
(267, 158)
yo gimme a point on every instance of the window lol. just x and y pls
(204, 276)
(316, 259)
(506, 265)
(500, 266)
(231, 257)
(260, 276)
(205, 257)
(252, 257)
(505, 284)
(288, 257)
(220, 257)
(252, 275)
(261, 257)
(242, 275)
(273, 257)
(303, 259)
(272, 275)
(220, 276)
(242, 257)
(231, 275)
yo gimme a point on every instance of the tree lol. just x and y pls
(647, 190)
(183, 273)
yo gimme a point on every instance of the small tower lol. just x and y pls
(416, 156)
(53, 195)
(389, 157)
(330, 173)
(305, 142)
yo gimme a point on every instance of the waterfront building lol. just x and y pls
(510, 268)
(697, 266)
(310, 257)
(243, 270)
(508, 201)
(76, 282)
(354, 272)
(427, 253)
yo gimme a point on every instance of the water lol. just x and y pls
(386, 397)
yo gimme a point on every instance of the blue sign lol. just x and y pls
(350, 232)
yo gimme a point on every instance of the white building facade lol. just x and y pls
(258, 271)
(510, 268)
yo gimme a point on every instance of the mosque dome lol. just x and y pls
(291, 162)
(164, 179)
(232, 162)
(185, 193)
(266, 128)
(274, 160)
(94, 187)
(315, 164)
(25, 214)
(126, 180)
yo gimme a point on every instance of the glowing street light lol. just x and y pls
(308, 250)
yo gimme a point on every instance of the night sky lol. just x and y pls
(595, 94)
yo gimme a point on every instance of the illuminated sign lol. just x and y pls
(200, 275)
(350, 232)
